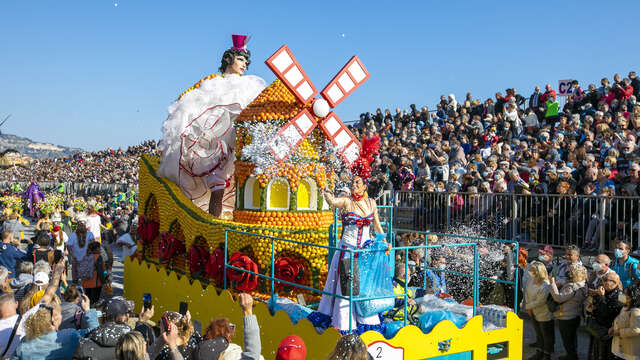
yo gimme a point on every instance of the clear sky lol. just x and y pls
(101, 73)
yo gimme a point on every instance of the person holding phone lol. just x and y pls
(177, 333)
(101, 342)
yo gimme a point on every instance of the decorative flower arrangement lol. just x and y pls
(46, 208)
(79, 205)
(12, 202)
(290, 270)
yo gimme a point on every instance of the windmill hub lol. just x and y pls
(321, 108)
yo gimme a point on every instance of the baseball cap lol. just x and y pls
(292, 348)
(116, 306)
(212, 348)
(547, 250)
(41, 279)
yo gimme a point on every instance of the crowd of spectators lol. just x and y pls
(514, 144)
(104, 167)
(519, 145)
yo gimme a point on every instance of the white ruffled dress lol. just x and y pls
(198, 137)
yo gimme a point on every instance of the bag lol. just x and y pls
(86, 267)
(595, 329)
(344, 268)
(375, 280)
(552, 305)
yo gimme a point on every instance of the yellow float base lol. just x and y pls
(205, 303)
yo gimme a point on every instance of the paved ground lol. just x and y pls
(530, 337)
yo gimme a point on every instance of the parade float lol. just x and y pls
(279, 230)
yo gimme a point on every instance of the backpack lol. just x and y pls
(198, 256)
(86, 266)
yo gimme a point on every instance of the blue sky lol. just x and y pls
(91, 74)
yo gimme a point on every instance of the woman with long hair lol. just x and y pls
(535, 302)
(349, 347)
(178, 335)
(77, 246)
(43, 340)
(131, 346)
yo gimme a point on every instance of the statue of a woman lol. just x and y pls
(198, 138)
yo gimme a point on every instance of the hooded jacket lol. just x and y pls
(21, 285)
(100, 344)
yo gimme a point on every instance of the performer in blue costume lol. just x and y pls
(359, 214)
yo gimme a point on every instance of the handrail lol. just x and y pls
(351, 298)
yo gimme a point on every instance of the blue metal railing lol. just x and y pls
(388, 225)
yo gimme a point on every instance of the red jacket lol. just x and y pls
(544, 97)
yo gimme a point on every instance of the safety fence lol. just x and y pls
(75, 188)
(550, 219)
(476, 243)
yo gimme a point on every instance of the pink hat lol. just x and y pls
(547, 250)
(239, 42)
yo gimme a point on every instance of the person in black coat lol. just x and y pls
(603, 309)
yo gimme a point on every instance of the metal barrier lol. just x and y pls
(351, 298)
(549, 219)
(80, 189)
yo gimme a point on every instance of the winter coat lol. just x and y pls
(55, 344)
(628, 323)
(535, 299)
(69, 320)
(570, 299)
(606, 308)
(21, 285)
(101, 342)
(9, 256)
(160, 350)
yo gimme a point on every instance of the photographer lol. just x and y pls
(101, 342)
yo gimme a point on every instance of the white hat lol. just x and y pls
(41, 279)
(4, 274)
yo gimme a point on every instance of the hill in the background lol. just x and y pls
(33, 149)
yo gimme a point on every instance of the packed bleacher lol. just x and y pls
(104, 167)
(483, 151)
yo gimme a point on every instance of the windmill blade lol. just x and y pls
(338, 133)
(350, 77)
(289, 71)
(292, 134)
(5, 120)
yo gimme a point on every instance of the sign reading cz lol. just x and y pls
(565, 87)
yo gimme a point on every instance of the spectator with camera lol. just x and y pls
(43, 339)
(100, 343)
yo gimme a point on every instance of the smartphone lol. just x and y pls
(57, 256)
(80, 290)
(146, 301)
(165, 323)
(183, 308)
